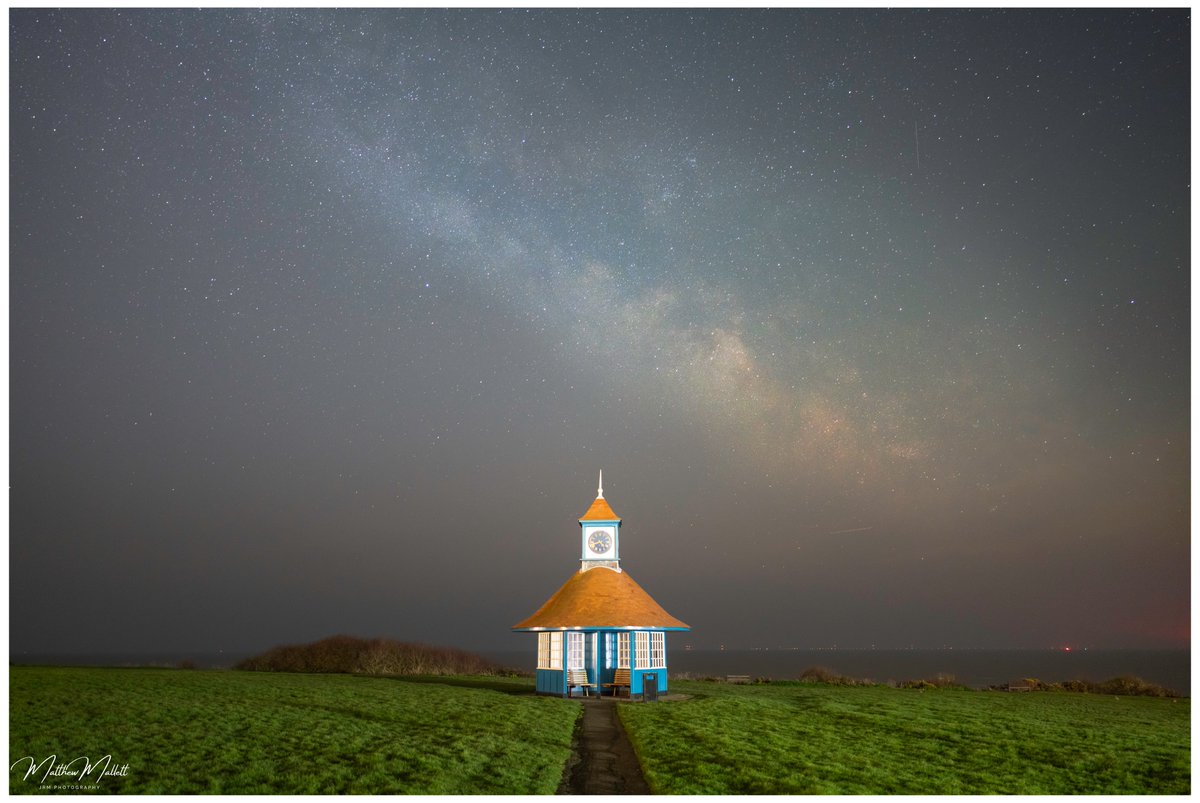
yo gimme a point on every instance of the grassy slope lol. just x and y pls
(818, 739)
(234, 732)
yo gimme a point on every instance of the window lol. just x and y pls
(623, 650)
(549, 651)
(556, 651)
(651, 650)
(574, 651)
(658, 650)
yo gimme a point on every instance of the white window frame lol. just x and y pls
(575, 650)
(623, 650)
(556, 650)
(642, 642)
(550, 651)
(658, 650)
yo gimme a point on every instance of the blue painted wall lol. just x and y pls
(551, 681)
(635, 678)
(554, 681)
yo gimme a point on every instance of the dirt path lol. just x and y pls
(604, 762)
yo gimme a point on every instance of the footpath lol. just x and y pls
(603, 761)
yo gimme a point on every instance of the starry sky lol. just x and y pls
(324, 321)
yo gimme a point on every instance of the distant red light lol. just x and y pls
(1066, 649)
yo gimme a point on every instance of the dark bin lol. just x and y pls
(650, 688)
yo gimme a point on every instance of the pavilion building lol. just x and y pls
(600, 622)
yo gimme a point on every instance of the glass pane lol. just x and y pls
(574, 651)
(556, 651)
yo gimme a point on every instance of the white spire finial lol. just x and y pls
(600, 490)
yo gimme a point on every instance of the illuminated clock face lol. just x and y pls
(600, 541)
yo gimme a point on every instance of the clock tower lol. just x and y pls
(601, 630)
(599, 534)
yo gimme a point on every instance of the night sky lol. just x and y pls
(325, 321)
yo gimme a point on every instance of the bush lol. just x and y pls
(821, 674)
(916, 684)
(357, 656)
(940, 681)
(1123, 686)
(1132, 686)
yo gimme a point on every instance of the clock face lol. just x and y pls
(600, 541)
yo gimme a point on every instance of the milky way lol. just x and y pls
(324, 321)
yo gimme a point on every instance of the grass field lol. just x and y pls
(783, 738)
(242, 732)
(249, 732)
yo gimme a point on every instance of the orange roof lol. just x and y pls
(600, 511)
(600, 597)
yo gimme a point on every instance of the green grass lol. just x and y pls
(811, 739)
(241, 732)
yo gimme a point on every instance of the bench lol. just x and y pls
(737, 678)
(578, 677)
(621, 678)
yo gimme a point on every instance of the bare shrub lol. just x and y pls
(916, 684)
(941, 680)
(1125, 685)
(821, 674)
(1133, 686)
(945, 680)
(352, 655)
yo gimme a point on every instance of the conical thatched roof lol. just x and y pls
(600, 597)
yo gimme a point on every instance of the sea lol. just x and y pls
(976, 668)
